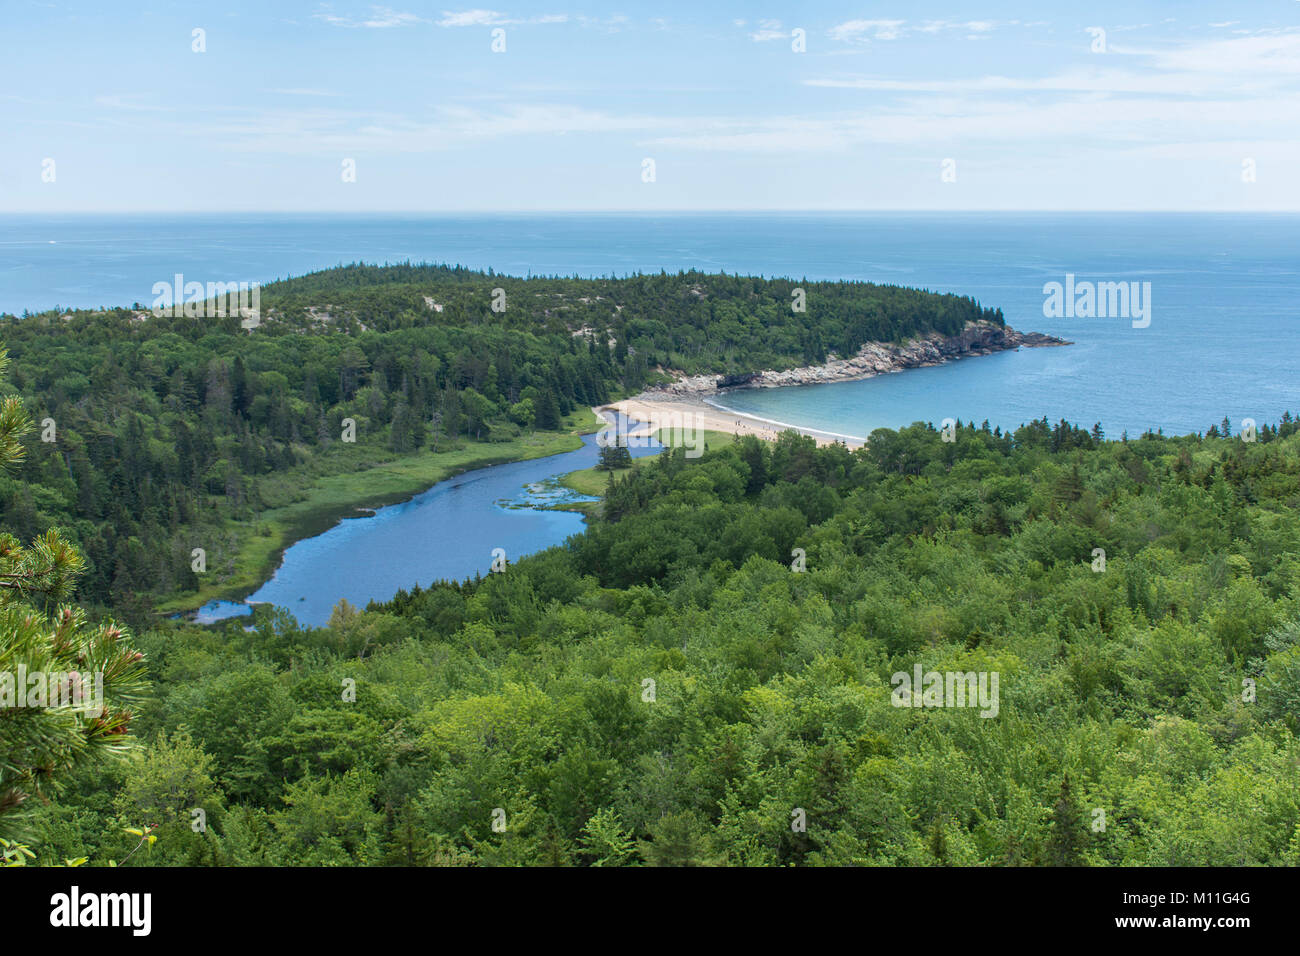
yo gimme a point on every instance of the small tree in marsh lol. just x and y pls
(614, 456)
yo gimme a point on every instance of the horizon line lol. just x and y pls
(630, 212)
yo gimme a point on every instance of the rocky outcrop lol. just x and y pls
(736, 381)
(874, 358)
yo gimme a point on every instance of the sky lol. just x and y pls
(280, 105)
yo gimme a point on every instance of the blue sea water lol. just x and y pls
(1225, 297)
(1225, 292)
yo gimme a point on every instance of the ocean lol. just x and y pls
(1224, 291)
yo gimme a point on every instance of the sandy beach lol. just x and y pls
(692, 413)
(682, 403)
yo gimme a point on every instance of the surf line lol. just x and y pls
(772, 421)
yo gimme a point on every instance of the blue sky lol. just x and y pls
(1014, 94)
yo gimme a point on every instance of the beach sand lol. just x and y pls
(690, 413)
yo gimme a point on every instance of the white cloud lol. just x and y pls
(312, 131)
(131, 103)
(1013, 132)
(615, 23)
(383, 17)
(863, 31)
(471, 18)
(380, 18)
(1196, 101)
(1273, 52)
(767, 30)
(1118, 81)
(492, 18)
(1254, 65)
(859, 31)
(970, 26)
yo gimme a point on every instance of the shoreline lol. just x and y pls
(694, 399)
(788, 426)
(304, 519)
(696, 412)
(873, 358)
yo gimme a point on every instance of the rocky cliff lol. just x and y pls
(977, 338)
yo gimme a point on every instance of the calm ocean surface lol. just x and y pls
(1225, 293)
(1225, 312)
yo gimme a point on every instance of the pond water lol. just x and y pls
(448, 532)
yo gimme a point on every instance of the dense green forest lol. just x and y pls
(707, 675)
(173, 431)
(694, 322)
(670, 689)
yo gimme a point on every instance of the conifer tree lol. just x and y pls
(53, 661)
(1068, 837)
(548, 411)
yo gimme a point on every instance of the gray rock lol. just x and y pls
(874, 358)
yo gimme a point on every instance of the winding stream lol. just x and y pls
(448, 532)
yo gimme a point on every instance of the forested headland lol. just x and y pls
(171, 431)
